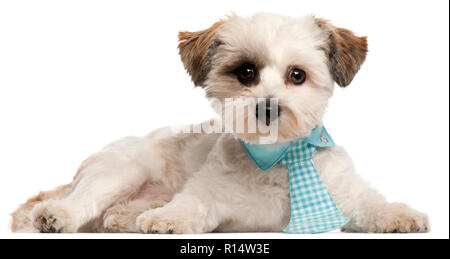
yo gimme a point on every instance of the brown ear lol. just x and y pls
(196, 50)
(346, 51)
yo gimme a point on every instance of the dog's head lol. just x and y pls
(285, 67)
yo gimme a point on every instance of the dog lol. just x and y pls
(199, 182)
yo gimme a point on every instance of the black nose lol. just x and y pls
(268, 111)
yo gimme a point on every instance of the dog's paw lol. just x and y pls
(161, 221)
(121, 218)
(398, 218)
(118, 223)
(52, 217)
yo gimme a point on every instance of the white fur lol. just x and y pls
(180, 183)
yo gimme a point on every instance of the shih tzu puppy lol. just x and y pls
(201, 180)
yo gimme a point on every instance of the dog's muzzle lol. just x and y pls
(268, 111)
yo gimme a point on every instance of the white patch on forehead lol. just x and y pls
(279, 41)
(271, 81)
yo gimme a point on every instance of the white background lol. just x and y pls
(76, 75)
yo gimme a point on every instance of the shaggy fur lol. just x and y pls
(170, 182)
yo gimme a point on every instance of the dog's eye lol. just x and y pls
(246, 74)
(297, 76)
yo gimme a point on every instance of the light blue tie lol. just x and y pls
(312, 208)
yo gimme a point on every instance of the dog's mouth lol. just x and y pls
(257, 120)
(268, 111)
(274, 124)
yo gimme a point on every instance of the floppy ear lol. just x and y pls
(345, 50)
(196, 50)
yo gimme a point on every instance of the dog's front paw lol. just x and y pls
(51, 217)
(398, 218)
(163, 221)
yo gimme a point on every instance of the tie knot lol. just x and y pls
(299, 151)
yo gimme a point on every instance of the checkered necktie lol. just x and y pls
(312, 208)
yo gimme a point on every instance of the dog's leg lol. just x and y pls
(186, 214)
(193, 210)
(121, 218)
(367, 209)
(199, 207)
(110, 176)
